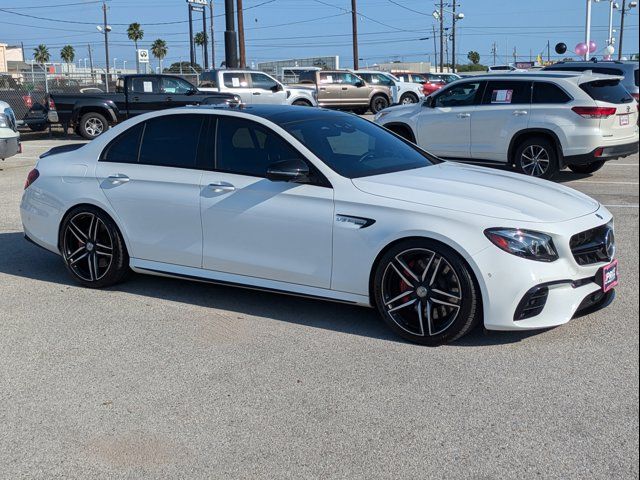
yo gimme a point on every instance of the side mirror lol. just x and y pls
(288, 171)
(360, 84)
(193, 91)
(429, 102)
(277, 88)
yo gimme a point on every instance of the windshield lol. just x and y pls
(354, 147)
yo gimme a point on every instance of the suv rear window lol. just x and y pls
(610, 91)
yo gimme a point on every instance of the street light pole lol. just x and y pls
(354, 28)
(241, 45)
(625, 11)
(206, 41)
(441, 36)
(453, 39)
(213, 41)
(588, 29)
(192, 59)
(106, 42)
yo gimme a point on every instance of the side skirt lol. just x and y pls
(241, 281)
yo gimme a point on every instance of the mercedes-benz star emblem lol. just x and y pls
(610, 243)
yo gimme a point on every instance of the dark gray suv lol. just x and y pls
(628, 69)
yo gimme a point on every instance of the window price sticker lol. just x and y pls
(502, 96)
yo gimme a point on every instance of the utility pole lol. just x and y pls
(91, 62)
(354, 26)
(243, 52)
(624, 11)
(515, 56)
(213, 42)
(192, 52)
(204, 32)
(548, 51)
(230, 39)
(106, 29)
(441, 36)
(453, 39)
(435, 48)
(494, 52)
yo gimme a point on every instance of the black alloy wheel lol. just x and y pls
(426, 293)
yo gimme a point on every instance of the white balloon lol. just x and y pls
(610, 49)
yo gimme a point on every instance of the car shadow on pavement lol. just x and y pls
(566, 176)
(20, 258)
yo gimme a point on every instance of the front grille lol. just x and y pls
(532, 303)
(593, 246)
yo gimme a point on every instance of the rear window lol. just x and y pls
(635, 74)
(507, 93)
(610, 91)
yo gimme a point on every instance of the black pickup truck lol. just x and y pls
(91, 114)
(27, 104)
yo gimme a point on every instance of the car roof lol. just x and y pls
(278, 114)
(574, 77)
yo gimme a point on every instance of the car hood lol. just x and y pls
(481, 191)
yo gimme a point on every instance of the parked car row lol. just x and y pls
(536, 122)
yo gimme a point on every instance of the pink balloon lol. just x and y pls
(593, 46)
(607, 57)
(581, 49)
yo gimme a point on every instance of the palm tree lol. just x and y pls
(159, 50)
(200, 39)
(41, 54)
(68, 54)
(135, 34)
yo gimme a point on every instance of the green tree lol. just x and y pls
(135, 34)
(68, 55)
(474, 57)
(41, 54)
(183, 68)
(200, 39)
(159, 50)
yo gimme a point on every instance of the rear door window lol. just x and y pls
(125, 148)
(610, 91)
(545, 92)
(507, 93)
(145, 85)
(235, 80)
(462, 95)
(172, 141)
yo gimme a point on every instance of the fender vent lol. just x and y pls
(532, 304)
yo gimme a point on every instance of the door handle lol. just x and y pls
(169, 99)
(118, 178)
(222, 187)
(257, 93)
(136, 99)
(520, 113)
(464, 115)
(345, 88)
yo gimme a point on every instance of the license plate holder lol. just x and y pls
(624, 120)
(610, 276)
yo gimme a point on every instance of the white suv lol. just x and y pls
(538, 123)
(404, 93)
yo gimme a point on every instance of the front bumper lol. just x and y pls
(603, 154)
(9, 146)
(507, 280)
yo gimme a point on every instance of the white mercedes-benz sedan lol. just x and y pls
(327, 205)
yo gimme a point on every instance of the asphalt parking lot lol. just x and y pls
(159, 378)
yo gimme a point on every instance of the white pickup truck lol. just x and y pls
(256, 88)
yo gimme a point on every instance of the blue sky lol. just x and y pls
(298, 28)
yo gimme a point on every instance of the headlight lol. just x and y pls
(380, 115)
(4, 121)
(524, 243)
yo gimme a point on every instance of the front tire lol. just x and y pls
(537, 157)
(92, 248)
(589, 168)
(378, 103)
(426, 293)
(92, 125)
(409, 99)
(302, 103)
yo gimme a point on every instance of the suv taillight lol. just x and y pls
(27, 100)
(52, 104)
(32, 176)
(595, 112)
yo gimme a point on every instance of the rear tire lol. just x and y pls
(589, 168)
(537, 157)
(92, 125)
(378, 103)
(426, 293)
(92, 248)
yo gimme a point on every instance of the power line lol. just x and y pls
(407, 8)
(51, 6)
